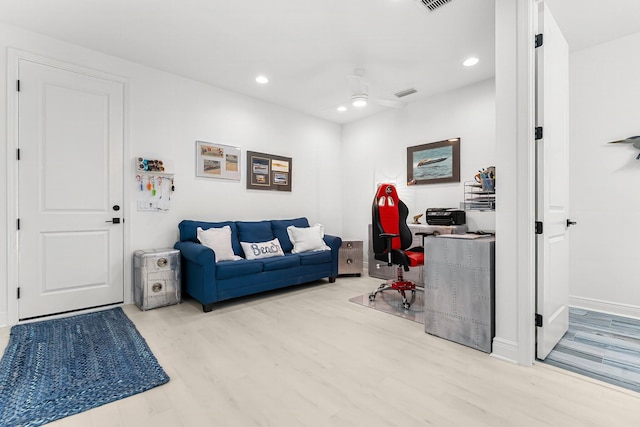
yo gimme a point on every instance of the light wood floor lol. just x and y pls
(309, 357)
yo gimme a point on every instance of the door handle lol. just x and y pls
(114, 220)
(570, 223)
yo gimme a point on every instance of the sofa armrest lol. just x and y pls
(334, 242)
(198, 271)
(195, 252)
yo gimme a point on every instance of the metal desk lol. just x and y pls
(459, 290)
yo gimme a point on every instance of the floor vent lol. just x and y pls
(406, 92)
(434, 4)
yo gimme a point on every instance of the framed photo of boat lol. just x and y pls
(434, 163)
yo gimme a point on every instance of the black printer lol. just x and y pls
(444, 216)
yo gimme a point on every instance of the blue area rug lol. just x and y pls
(601, 346)
(56, 368)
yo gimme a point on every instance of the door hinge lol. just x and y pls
(18, 223)
(539, 133)
(18, 293)
(539, 227)
(539, 320)
(18, 154)
(539, 40)
(18, 85)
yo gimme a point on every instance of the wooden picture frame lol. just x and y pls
(268, 172)
(434, 163)
(217, 161)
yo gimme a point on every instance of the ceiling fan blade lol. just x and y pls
(334, 108)
(389, 103)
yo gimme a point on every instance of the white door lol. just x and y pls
(70, 137)
(552, 184)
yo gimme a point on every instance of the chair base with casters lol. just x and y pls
(400, 285)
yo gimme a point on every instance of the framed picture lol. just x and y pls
(434, 163)
(268, 172)
(217, 161)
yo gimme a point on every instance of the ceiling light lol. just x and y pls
(342, 108)
(262, 80)
(470, 62)
(359, 100)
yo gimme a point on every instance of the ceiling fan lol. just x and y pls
(360, 96)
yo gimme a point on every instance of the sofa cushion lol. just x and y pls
(218, 239)
(313, 258)
(244, 267)
(281, 263)
(254, 231)
(188, 232)
(307, 239)
(279, 227)
(261, 250)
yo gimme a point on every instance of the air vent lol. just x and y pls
(404, 93)
(434, 4)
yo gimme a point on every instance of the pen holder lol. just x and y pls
(488, 184)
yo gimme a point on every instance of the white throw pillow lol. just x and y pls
(262, 249)
(307, 239)
(218, 239)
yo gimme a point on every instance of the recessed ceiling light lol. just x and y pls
(262, 80)
(470, 62)
(342, 108)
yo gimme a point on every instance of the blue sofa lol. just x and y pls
(209, 282)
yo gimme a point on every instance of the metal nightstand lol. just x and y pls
(156, 278)
(350, 257)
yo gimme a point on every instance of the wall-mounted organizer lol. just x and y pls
(154, 186)
(478, 197)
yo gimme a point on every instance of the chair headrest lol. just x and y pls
(386, 195)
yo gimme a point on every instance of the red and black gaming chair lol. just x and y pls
(390, 239)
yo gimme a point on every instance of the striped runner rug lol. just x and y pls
(601, 346)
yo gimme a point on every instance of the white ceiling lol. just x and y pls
(586, 23)
(307, 48)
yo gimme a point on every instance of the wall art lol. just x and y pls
(217, 161)
(434, 163)
(268, 172)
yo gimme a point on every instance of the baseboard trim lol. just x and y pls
(617, 309)
(505, 350)
(4, 320)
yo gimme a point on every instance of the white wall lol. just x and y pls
(605, 184)
(375, 150)
(166, 114)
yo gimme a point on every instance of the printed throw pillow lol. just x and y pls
(307, 239)
(218, 239)
(262, 249)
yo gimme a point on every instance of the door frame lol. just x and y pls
(526, 178)
(13, 57)
(515, 213)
